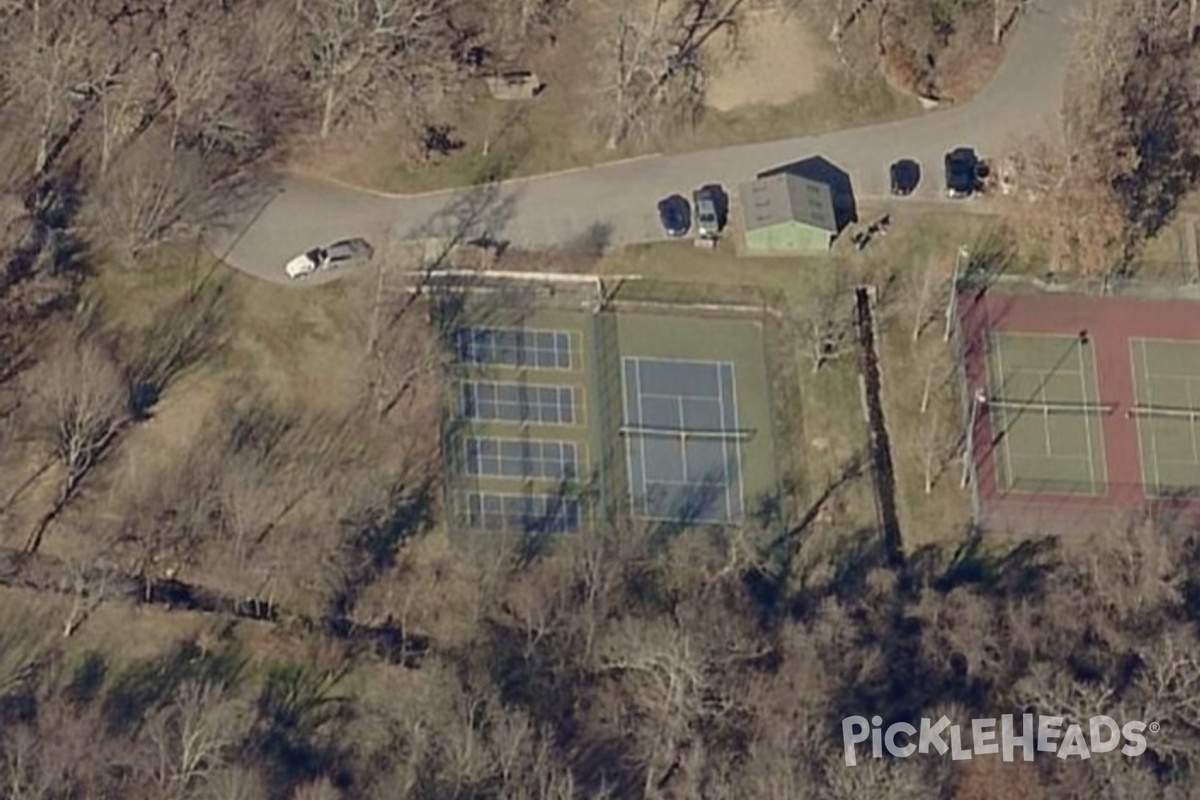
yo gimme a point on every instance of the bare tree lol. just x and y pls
(401, 349)
(83, 405)
(26, 640)
(234, 783)
(823, 319)
(672, 686)
(321, 789)
(651, 61)
(52, 69)
(933, 450)
(366, 52)
(192, 735)
(154, 193)
(92, 572)
(896, 779)
(1070, 204)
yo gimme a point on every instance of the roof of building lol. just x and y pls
(785, 197)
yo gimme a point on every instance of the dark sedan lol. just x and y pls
(675, 214)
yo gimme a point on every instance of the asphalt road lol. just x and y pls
(614, 204)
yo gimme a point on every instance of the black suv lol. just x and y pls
(962, 172)
(905, 176)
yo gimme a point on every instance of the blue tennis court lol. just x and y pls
(682, 441)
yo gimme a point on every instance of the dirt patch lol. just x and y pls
(778, 59)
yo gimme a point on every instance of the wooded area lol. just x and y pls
(381, 660)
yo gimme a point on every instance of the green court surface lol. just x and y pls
(1045, 414)
(562, 418)
(1167, 391)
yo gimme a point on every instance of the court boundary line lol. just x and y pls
(1008, 471)
(628, 441)
(562, 500)
(581, 457)
(637, 391)
(578, 408)
(642, 509)
(1010, 483)
(1087, 419)
(573, 365)
(1155, 490)
(1045, 376)
(737, 448)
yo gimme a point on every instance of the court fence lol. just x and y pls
(1057, 506)
(1157, 288)
(1050, 509)
(969, 407)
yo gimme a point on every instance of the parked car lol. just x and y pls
(905, 176)
(338, 254)
(962, 172)
(708, 212)
(675, 214)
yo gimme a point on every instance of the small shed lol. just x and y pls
(787, 213)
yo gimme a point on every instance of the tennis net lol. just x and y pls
(1046, 407)
(675, 433)
(1169, 412)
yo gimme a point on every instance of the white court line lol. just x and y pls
(737, 447)
(637, 372)
(1150, 403)
(724, 444)
(1137, 420)
(1044, 457)
(703, 398)
(628, 440)
(1192, 422)
(1045, 411)
(1087, 418)
(1100, 439)
(1009, 478)
(683, 465)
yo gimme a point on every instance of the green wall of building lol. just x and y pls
(789, 237)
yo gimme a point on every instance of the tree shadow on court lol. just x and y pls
(689, 510)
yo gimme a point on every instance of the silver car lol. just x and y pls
(708, 203)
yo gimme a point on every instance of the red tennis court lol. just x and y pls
(1080, 404)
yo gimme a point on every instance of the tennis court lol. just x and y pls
(1045, 414)
(682, 440)
(1167, 410)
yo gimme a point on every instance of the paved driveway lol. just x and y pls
(615, 203)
